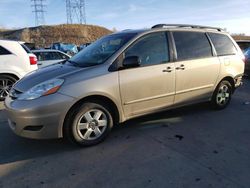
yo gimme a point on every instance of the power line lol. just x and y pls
(39, 11)
(76, 11)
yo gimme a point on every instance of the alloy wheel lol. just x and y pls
(5, 86)
(223, 95)
(92, 124)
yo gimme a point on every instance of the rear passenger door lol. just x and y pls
(197, 69)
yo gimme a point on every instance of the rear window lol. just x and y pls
(223, 44)
(26, 49)
(4, 51)
(191, 45)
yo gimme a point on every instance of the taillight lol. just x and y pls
(33, 60)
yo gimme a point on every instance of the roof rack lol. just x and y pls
(186, 25)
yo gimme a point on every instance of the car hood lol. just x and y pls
(44, 74)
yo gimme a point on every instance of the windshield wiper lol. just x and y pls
(85, 64)
(90, 64)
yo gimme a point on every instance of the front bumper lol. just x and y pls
(41, 118)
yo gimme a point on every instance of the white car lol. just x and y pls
(49, 57)
(16, 60)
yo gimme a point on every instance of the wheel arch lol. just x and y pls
(100, 99)
(10, 74)
(230, 80)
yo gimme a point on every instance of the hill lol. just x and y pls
(44, 36)
(241, 37)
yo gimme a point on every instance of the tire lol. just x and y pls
(6, 83)
(222, 95)
(88, 124)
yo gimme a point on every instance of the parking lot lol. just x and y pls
(188, 147)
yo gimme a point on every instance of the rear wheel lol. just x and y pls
(222, 95)
(6, 83)
(88, 124)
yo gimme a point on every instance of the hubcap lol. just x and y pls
(5, 86)
(92, 124)
(223, 95)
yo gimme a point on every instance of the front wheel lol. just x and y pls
(222, 95)
(88, 124)
(6, 83)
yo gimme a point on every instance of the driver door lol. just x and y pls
(151, 86)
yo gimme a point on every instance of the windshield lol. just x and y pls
(99, 51)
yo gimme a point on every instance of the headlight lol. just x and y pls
(42, 89)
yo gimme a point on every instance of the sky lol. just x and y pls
(234, 15)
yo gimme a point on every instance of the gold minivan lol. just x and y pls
(126, 75)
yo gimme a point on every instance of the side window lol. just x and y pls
(55, 56)
(223, 44)
(4, 51)
(191, 45)
(46, 56)
(151, 49)
(62, 56)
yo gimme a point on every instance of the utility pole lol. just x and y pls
(38, 9)
(76, 11)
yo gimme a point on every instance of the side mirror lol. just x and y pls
(131, 61)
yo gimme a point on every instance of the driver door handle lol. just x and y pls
(168, 69)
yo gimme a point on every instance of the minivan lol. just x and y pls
(125, 75)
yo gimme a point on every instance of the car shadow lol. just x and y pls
(166, 117)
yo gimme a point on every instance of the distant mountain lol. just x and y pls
(44, 36)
